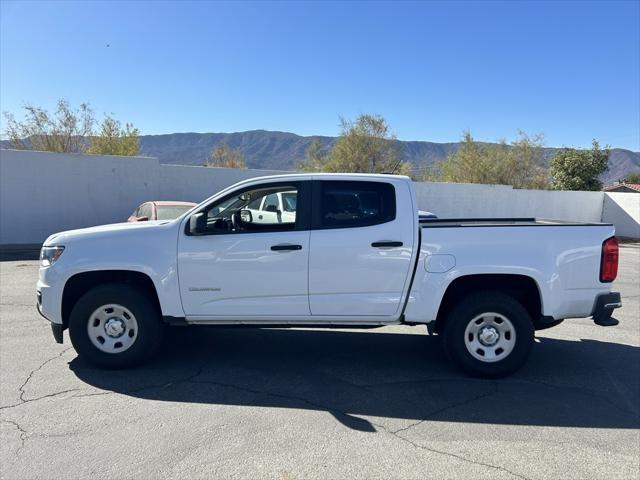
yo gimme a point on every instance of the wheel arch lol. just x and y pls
(79, 284)
(523, 288)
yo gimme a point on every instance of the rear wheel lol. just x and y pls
(115, 326)
(488, 334)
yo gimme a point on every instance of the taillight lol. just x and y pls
(609, 260)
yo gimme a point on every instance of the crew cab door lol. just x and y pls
(362, 244)
(243, 267)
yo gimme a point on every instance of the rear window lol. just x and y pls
(356, 204)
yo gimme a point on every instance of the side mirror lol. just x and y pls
(246, 216)
(142, 219)
(198, 223)
(271, 208)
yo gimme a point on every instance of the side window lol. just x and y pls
(355, 204)
(241, 212)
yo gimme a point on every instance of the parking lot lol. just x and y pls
(277, 403)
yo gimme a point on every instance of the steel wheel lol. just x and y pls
(112, 328)
(490, 337)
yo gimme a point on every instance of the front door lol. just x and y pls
(244, 267)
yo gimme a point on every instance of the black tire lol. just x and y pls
(468, 309)
(149, 326)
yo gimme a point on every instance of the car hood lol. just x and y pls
(101, 231)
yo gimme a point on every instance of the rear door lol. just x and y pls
(361, 247)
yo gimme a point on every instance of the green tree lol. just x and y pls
(518, 164)
(115, 140)
(64, 130)
(315, 159)
(224, 156)
(364, 146)
(579, 169)
(632, 178)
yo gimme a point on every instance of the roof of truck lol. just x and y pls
(312, 175)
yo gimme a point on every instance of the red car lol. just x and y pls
(160, 211)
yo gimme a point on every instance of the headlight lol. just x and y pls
(49, 255)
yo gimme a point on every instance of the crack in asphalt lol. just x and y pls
(396, 433)
(141, 389)
(21, 388)
(583, 390)
(463, 403)
(393, 433)
(336, 412)
(600, 394)
(455, 455)
(30, 400)
(425, 380)
(23, 433)
(193, 378)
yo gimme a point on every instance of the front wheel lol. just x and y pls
(488, 334)
(115, 326)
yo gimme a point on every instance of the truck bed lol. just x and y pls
(503, 222)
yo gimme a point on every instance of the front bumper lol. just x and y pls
(49, 293)
(56, 328)
(604, 306)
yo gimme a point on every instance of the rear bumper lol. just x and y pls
(605, 305)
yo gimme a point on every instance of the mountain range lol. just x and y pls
(273, 150)
(281, 150)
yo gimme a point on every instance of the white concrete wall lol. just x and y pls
(467, 200)
(194, 184)
(42, 193)
(623, 210)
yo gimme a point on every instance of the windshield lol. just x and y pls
(169, 212)
(289, 201)
(228, 207)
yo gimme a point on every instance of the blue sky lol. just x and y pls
(433, 69)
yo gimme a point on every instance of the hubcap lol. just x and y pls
(490, 337)
(112, 328)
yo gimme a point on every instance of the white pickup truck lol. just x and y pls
(350, 251)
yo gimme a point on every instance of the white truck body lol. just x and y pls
(332, 275)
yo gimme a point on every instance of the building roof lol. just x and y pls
(617, 186)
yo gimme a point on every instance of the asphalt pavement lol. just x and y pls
(293, 403)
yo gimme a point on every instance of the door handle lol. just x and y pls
(386, 244)
(285, 247)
